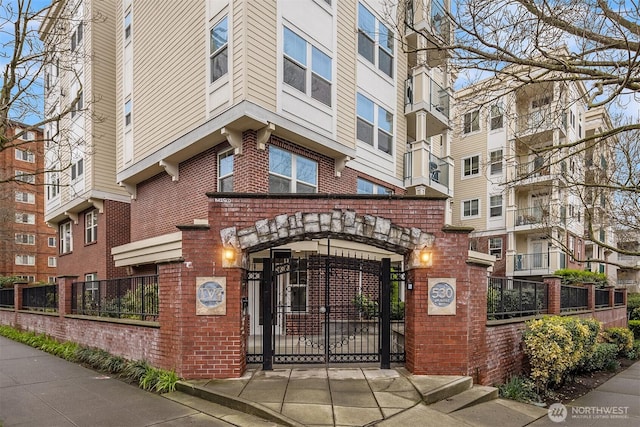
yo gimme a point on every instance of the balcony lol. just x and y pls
(423, 94)
(536, 264)
(540, 121)
(422, 168)
(428, 29)
(530, 216)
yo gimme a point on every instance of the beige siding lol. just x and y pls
(169, 48)
(261, 57)
(401, 122)
(119, 109)
(346, 74)
(100, 77)
(238, 41)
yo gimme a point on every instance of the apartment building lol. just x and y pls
(83, 201)
(322, 99)
(515, 186)
(28, 243)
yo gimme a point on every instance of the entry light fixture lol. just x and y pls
(425, 258)
(229, 254)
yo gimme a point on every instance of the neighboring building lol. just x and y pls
(83, 200)
(28, 243)
(308, 106)
(628, 270)
(513, 185)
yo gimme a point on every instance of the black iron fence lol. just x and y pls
(7, 298)
(573, 298)
(123, 298)
(509, 298)
(618, 298)
(40, 298)
(602, 298)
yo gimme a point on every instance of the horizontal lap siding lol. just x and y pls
(346, 70)
(261, 42)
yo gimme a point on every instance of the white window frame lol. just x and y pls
(25, 177)
(495, 162)
(471, 214)
(472, 171)
(28, 278)
(53, 186)
(91, 284)
(295, 281)
(471, 122)
(294, 181)
(492, 199)
(25, 260)
(65, 231)
(52, 261)
(375, 188)
(496, 116)
(317, 71)
(77, 107)
(25, 155)
(25, 239)
(77, 169)
(494, 248)
(51, 242)
(222, 178)
(216, 51)
(77, 37)
(30, 218)
(91, 226)
(375, 36)
(377, 130)
(127, 27)
(128, 115)
(25, 197)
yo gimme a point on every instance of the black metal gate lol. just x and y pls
(325, 309)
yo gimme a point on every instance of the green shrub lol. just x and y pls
(621, 337)
(634, 327)
(519, 388)
(633, 303)
(635, 314)
(573, 277)
(557, 346)
(634, 353)
(166, 382)
(603, 355)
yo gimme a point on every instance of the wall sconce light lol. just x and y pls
(425, 258)
(229, 254)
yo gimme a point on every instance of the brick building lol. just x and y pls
(28, 243)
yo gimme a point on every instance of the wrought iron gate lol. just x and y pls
(325, 309)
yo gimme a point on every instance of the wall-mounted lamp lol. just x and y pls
(229, 254)
(425, 258)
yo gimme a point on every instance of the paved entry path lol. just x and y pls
(38, 389)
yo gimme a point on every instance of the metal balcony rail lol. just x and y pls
(511, 298)
(40, 298)
(539, 121)
(535, 261)
(434, 169)
(602, 298)
(528, 216)
(439, 98)
(123, 298)
(440, 21)
(7, 299)
(573, 298)
(536, 168)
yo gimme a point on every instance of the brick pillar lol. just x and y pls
(65, 295)
(17, 295)
(612, 296)
(591, 296)
(553, 287)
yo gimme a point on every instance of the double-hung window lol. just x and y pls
(53, 187)
(25, 239)
(25, 155)
(368, 187)
(495, 159)
(127, 27)
(291, 173)
(495, 206)
(496, 116)
(471, 166)
(495, 247)
(76, 37)
(225, 171)
(298, 285)
(374, 125)
(472, 121)
(52, 261)
(66, 238)
(91, 226)
(25, 218)
(372, 32)
(24, 197)
(26, 177)
(77, 169)
(218, 49)
(314, 81)
(78, 106)
(127, 113)
(470, 208)
(25, 260)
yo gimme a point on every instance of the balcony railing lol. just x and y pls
(40, 298)
(528, 262)
(509, 298)
(123, 298)
(538, 167)
(422, 88)
(440, 21)
(422, 167)
(573, 298)
(539, 121)
(7, 298)
(528, 216)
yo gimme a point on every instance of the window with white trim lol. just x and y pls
(495, 206)
(495, 162)
(225, 171)
(76, 37)
(66, 237)
(51, 242)
(368, 187)
(472, 121)
(127, 113)
(496, 116)
(291, 173)
(91, 226)
(25, 260)
(91, 285)
(314, 81)
(51, 279)
(371, 33)
(52, 261)
(78, 105)
(470, 208)
(127, 27)
(25, 197)
(26, 177)
(25, 155)
(77, 169)
(374, 125)
(53, 187)
(28, 279)
(298, 285)
(471, 166)
(218, 49)
(25, 218)
(495, 247)
(25, 239)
